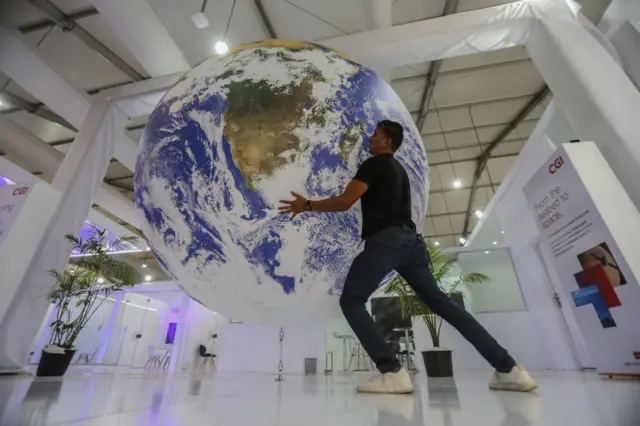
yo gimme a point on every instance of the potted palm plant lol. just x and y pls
(438, 361)
(79, 292)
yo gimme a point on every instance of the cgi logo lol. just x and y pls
(20, 191)
(556, 165)
(7, 208)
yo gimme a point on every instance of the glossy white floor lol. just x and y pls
(576, 399)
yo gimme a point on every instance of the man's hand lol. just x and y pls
(341, 203)
(293, 207)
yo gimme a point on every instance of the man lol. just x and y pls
(391, 243)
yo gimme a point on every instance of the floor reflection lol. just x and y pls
(34, 405)
(242, 399)
(401, 410)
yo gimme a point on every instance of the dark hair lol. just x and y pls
(394, 131)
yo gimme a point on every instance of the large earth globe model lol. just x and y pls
(236, 134)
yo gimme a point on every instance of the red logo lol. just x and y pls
(556, 165)
(636, 355)
(20, 191)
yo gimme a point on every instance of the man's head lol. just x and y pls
(387, 138)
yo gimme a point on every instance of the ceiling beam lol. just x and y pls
(116, 179)
(128, 188)
(445, 214)
(144, 35)
(36, 109)
(265, 19)
(24, 65)
(48, 23)
(69, 25)
(445, 190)
(451, 150)
(460, 34)
(441, 235)
(465, 160)
(421, 77)
(450, 7)
(481, 162)
(28, 149)
(463, 129)
(479, 103)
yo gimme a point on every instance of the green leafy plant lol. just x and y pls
(87, 284)
(412, 306)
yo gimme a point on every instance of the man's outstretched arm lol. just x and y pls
(352, 193)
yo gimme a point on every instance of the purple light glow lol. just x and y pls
(5, 181)
(89, 229)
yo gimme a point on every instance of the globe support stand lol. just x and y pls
(280, 377)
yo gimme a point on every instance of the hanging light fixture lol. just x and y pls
(199, 19)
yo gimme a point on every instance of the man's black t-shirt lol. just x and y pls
(387, 202)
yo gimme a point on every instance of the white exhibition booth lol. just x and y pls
(591, 92)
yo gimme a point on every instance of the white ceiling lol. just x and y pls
(475, 98)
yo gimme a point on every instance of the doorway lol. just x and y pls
(563, 301)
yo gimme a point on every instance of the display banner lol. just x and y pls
(584, 216)
(12, 199)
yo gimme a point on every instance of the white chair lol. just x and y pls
(346, 341)
(87, 357)
(154, 358)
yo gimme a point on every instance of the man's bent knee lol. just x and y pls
(348, 300)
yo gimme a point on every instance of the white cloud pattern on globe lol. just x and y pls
(233, 137)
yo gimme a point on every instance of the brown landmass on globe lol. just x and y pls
(259, 124)
(260, 121)
(261, 118)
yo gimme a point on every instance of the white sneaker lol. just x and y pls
(399, 382)
(517, 380)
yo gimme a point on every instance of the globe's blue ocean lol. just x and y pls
(208, 213)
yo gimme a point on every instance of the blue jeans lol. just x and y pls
(404, 251)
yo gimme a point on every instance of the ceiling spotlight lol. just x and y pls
(144, 265)
(502, 232)
(200, 20)
(479, 213)
(457, 183)
(221, 47)
(462, 240)
(486, 252)
(495, 242)
(148, 248)
(0, 102)
(148, 277)
(100, 280)
(436, 243)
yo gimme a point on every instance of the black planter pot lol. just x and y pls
(438, 363)
(54, 365)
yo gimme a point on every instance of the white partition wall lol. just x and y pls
(589, 229)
